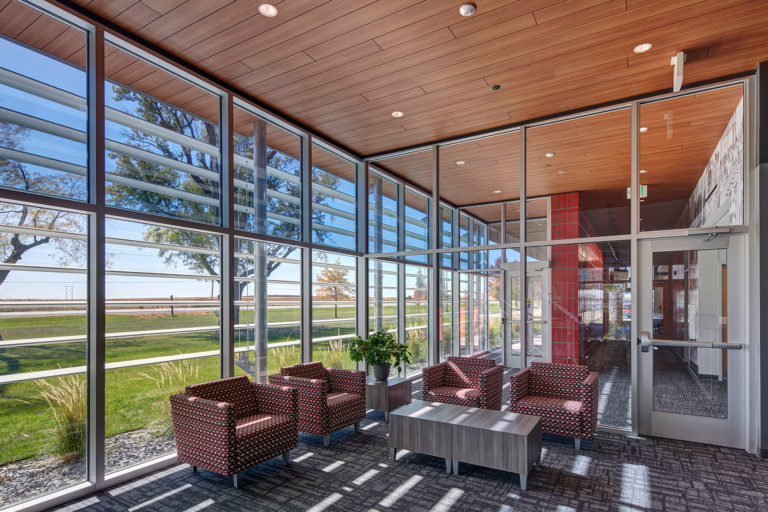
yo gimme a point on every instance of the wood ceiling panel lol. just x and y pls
(342, 66)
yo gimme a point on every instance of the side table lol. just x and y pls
(387, 395)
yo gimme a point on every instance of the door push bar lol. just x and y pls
(646, 343)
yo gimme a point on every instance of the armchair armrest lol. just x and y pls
(313, 393)
(346, 381)
(588, 392)
(432, 377)
(518, 385)
(204, 426)
(277, 400)
(490, 384)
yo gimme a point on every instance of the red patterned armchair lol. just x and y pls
(229, 425)
(564, 395)
(469, 381)
(329, 398)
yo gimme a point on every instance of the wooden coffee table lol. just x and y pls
(496, 439)
(423, 427)
(387, 395)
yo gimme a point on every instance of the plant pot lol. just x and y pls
(381, 371)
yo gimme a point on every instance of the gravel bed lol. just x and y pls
(25, 479)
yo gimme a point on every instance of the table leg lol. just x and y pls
(455, 466)
(393, 453)
(448, 463)
(523, 482)
(386, 417)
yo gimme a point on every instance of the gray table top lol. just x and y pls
(500, 421)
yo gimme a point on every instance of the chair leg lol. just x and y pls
(357, 427)
(287, 458)
(326, 440)
(194, 468)
(236, 480)
(577, 443)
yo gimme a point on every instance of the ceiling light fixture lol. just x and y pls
(496, 87)
(643, 129)
(397, 113)
(549, 155)
(497, 191)
(467, 9)
(561, 171)
(268, 10)
(642, 48)
(643, 171)
(460, 162)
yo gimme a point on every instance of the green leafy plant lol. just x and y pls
(380, 349)
(67, 399)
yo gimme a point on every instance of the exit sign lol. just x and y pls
(643, 192)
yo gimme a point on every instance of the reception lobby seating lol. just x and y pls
(329, 398)
(469, 381)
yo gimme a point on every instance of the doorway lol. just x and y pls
(691, 358)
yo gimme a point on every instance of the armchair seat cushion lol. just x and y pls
(558, 415)
(469, 397)
(260, 435)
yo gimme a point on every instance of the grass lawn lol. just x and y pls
(134, 398)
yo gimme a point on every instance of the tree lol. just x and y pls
(14, 244)
(169, 117)
(337, 287)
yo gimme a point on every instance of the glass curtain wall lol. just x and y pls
(333, 308)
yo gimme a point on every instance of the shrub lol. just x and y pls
(284, 356)
(417, 342)
(170, 378)
(67, 398)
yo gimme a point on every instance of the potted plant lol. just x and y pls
(380, 350)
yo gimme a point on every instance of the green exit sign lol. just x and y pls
(643, 192)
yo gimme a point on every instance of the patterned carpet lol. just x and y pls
(613, 472)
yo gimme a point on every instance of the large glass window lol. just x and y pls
(162, 330)
(383, 214)
(163, 145)
(267, 297)
(577, 177)
(43, 299)
(333, 200)
(417, 315)
(333, 308)
(382, 296)
(692, 160)
(267, 166)
(417, 222)
(578, 311)
(43, 111)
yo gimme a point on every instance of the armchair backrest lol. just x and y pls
(464, 372)
(557, 380)
(234, 390)
(314, 370)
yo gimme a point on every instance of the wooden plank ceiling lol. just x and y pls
(342, 66)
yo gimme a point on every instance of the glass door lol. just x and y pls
(691, 363)
(537, 306)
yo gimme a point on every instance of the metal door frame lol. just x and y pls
(725, 432)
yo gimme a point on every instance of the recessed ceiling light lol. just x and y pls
(496, 87)
(642, 48)
(397, 113)
(643, 171)
(497, 191)
(467, 9)
(643, 129)
(460, 162)
(547, 165)
(549, 155)
(561, 171)
(268, 10)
